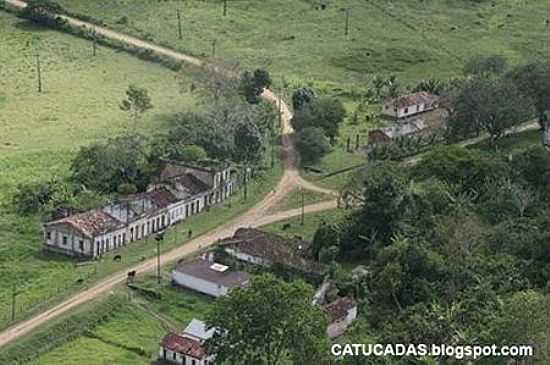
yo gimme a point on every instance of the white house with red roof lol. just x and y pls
(188, 347)
(406, 106)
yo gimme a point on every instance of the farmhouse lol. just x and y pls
(188, 347)
(181, 191)
(409, 105)
(209, 277)
(411, 128)
(341, 312)
(267, 249)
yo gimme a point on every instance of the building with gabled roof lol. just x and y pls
(187, 347)
(405, 106)
(208, 277)
(268, 249)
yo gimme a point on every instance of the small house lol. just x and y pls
(409, 105)
(188, 347)
(208, 277)
(267, 249)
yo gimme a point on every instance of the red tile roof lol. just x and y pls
(91, 223)
(184, 345)
(421, 97)
(162, 197)
(339, 309)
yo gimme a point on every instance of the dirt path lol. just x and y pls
(257, 216)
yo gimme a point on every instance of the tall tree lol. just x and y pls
(326, 112)
(533, 80)
(248, 143)
(267, 324)
(136, 103)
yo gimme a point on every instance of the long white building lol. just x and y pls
(181, 191)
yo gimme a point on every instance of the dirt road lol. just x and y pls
(257, 216)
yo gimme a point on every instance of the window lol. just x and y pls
(81, 245)
(65, 239)
(193, 362)
(406, 110)
(49, 235)
(174, 355)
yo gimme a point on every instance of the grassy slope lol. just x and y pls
(414, 40)
(137, 326)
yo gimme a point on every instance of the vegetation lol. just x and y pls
(294, 329)
(453, 242)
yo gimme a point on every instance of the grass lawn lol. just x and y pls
(335, 161)
(311, 223)
(306, 45)
(294, 199)
(132, 332)
(40, 133)
(514, 143)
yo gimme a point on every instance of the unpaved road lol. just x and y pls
(257, 216)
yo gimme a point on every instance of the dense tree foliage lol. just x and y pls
(312, 144)
(324, 112)
(268, 323)
(252, 84)
(455, 247)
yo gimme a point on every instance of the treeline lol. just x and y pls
(457, 250)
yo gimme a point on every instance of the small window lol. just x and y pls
(174, 355)
(81, 245)
(65, 239)
(49, 235)
(406, 110)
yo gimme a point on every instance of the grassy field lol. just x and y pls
(512, 143)
(311, 223)
(308, 45)
(131, 333)
(40, 133)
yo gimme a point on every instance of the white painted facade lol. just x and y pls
(393, 111)
(181, 359)
(202, 286)
(248, 258)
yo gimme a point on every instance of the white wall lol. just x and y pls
(199, 285)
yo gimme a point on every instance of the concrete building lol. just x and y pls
(407, 129)
(209, 277)
(409, 105)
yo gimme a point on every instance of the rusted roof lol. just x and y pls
(274, 248)
(202, 269)
(162, 197)
(418, 98)
(91, 223)
(183, 345)
(339, 309)
(193, 184)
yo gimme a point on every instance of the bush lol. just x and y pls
(312, 144)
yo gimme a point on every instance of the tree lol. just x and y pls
(312, 144)
(533, 165)
(43, 12)
(485, 66)
(533, 80)
(301, 97)
(326, 112)
(105, 166)
(248, 143)
(493, 105)
(188, 153)
(252, 84)
(327, 235)
(136, 103)
(268, 323)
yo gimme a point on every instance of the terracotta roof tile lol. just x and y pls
(183, 345)
(338, 309)
(91, 223)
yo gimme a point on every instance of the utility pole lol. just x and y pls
(180, 33)
(224, 7)
(13, 296)
(39, 73)
(214, 48)
(245, 181)
(357, 142)
(348, 12)
(159, 237)
(303, 207)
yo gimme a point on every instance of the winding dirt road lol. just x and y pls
(257, 216)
